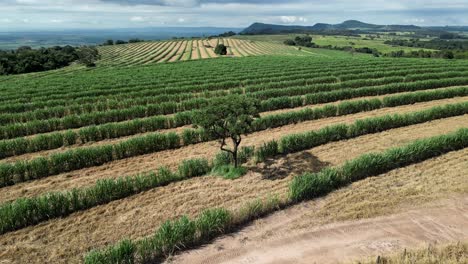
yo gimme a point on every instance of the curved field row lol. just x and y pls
(285, 85)
(50, 150)
(171, 158)
(141, 53)
(139, 215)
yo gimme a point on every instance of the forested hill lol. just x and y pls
(260, 28)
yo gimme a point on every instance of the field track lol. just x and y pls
(43, 118)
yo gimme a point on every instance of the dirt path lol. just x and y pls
(65, 240)
(273, 242)
(172, 158)
(195, 48)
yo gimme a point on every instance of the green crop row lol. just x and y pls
(193, 71)
(231, 82)
(114, 130)
(312, 185)
(20, 171)
(303, 141)
(75, 121)
(56, 108)
(170, 237)
(184, 233)
(29, 211)
(351, 107)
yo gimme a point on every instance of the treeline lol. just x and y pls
(437, 44)
(443, 54)
(25, 59)
(305, 41)
(351, 49)
(224, 35)
(446, 49)
(111, 42)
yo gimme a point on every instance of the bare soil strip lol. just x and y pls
(202, 49)
(195, 50)
(242, 47)
(237, 45)
(28, 156)
(166, 52)
(210, 48)
(180, 52)
(271, 240)
(233, 49)
(172, 158)
(66, 240)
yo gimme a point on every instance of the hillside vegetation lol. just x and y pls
(104, 165)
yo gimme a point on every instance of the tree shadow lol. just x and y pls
(281, 167)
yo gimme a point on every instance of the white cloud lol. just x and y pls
(415, 20)
(56, 20)
(292, 19)
(137, 19)
(6, 20)
(181, 20)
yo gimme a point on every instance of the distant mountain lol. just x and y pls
(260, 28)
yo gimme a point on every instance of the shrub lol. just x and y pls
(220, 49)
(229, 171)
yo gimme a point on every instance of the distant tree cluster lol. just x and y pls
(88, 56)
(224, 35)
(111, 42)
(444, 54)
(305, 41)
(25, 59)
(438, 44)
(448, 49)
(221, 49)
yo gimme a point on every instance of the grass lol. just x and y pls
(313, 185)
(229, 171)
(453, 253)
(218, 221)
(339, 41)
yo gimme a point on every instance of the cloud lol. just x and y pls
(192, 3)
(292, 19)
(137, 19)
(93, 14)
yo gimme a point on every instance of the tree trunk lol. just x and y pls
(234, 154)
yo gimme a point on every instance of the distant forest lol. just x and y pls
(25, 59)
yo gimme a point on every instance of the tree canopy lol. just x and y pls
(229, 118)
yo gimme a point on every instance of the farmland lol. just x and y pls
(341, 41)
(104, 165)
(190, 49)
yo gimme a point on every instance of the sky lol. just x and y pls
(17, 15)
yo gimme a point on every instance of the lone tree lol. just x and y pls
(227, 118)
(221, 49)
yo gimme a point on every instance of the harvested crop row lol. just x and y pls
(70, 139)
(24, 212)
(198, 194)
(171, 158)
